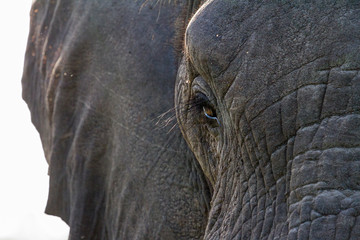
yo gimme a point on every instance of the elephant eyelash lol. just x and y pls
(198, 102)
(198, 105)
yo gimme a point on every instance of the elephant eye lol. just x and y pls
(210, 113)
(204, 108)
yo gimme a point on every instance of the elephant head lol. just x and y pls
(267, 98)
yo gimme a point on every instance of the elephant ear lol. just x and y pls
(42, 81)
(97, 75)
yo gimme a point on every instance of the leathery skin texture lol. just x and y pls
(97, 76)
(267, 103)
(282, 79)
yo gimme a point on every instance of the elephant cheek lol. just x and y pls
(324, 196)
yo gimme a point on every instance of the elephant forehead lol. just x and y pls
(215, 35)
(243, 49)
(291, 52)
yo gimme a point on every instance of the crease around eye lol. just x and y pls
(211, 117)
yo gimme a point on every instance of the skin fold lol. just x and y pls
(267, 104)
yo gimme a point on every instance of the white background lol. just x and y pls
(23, 169)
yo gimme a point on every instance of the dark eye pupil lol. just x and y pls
(201, 104)
(209, 111)
(211, 114)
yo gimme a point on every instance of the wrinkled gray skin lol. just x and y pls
(97, 76)
(283, 78)
(275, 134)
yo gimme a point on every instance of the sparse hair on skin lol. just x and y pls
(168, 118)
(181, 23)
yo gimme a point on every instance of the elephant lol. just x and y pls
(188, 119)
